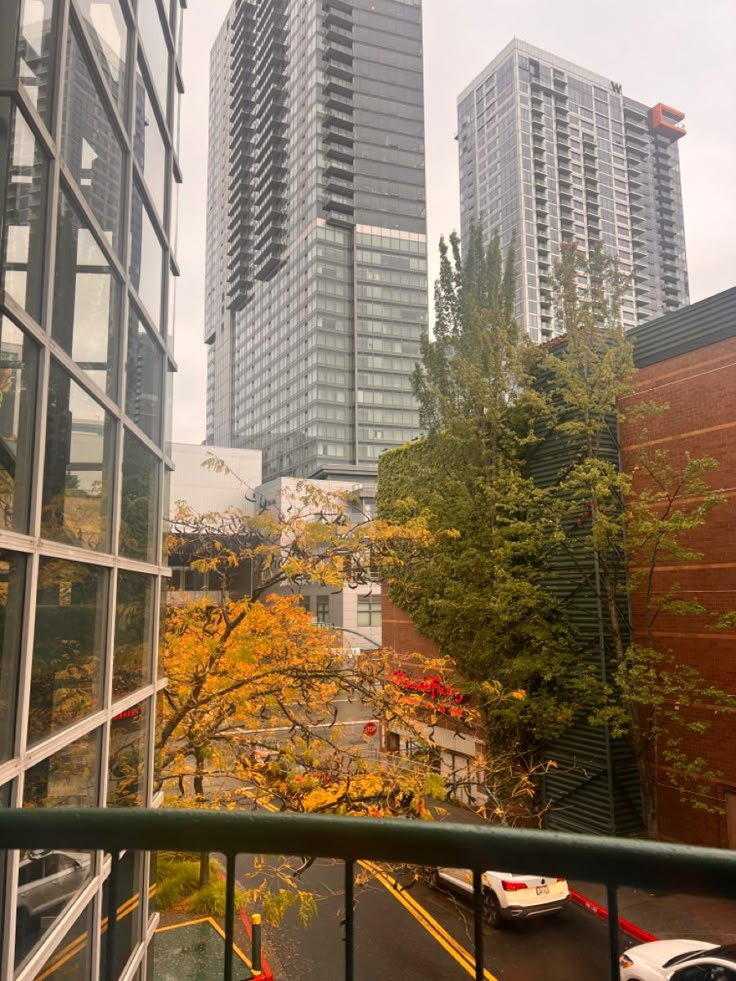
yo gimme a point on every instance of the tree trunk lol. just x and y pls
(204, 869)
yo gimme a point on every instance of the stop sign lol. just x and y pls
(370, 728)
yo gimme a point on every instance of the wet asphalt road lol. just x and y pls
(392, 945)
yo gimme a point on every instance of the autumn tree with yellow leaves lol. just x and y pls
(248, 713)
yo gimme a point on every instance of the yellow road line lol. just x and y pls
(66, 955)
(237, 949)
(464, 958)
(175, 926)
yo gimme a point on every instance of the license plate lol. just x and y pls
(542, 890)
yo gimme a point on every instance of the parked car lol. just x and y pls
(679, 960)
(46, 882)
(507, 896)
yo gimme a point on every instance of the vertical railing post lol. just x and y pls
(112, 915)
(229, 916)
(349, 923)
(478, 924)
(613, 932)
(256, 944)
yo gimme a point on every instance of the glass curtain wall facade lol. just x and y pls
(551, 152)
(317, 262)
(89, 93)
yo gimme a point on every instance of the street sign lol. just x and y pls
(370, 728)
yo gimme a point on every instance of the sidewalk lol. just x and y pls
(665, 916)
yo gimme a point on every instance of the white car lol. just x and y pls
(679, 960)
(507, 896)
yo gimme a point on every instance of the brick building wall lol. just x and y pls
(699, 387)
(399, 632)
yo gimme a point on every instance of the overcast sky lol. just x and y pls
(681, 52)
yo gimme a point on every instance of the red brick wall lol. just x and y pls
(700, 390)
(399, 632)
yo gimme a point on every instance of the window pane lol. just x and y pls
(18, 373)
(12, 577)
(146, 259)
(138, 534)
(143, 378)
(71, 959)
(77, 471)
(21, 267)
(105, 22)
(128, 902)
(66, 680)
(128, 737)
(49, 881)
(90, 145)
(157, 53)
(86, 300)
(133, 633)
(35, 52)
(150, 150)
(171, 310)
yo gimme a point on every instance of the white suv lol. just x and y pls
(507, 896)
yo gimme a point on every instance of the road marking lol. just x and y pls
(463, 957)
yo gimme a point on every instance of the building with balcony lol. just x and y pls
(316, 283)
(88, 176)
(551, 152)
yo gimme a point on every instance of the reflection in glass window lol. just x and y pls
(77, 469)
(128, 738)
(86, 300)
(5, 802)
(105, 22)
(48, 881)
(35, 52)
(138, 532)
(133, 633)
(89, 143)
(21, 258)
(150, 32)
(12, 575)
(129, 906)
(174, 218)
(71, 959)
(143, 378)
(66, 679)
(146, 259)
(171, 309)
(18, 373)
(148, 144)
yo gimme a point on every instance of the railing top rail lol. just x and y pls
(616, 861)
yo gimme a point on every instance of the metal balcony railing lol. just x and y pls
(612, 861)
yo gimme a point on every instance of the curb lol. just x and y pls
(266, 973)
(634, 931)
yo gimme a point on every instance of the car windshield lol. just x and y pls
(680, 958)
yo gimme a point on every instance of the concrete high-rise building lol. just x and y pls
(316, 288)
(552, 152)
(88, 176)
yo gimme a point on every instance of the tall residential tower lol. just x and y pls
(316, 287)
(551, 152)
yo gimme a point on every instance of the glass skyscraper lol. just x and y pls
(316, 287)
(552, 152)
(88, 181)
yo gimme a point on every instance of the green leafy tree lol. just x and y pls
(620, 527)
(480, 593)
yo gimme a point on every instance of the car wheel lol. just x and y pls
(491, 910)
